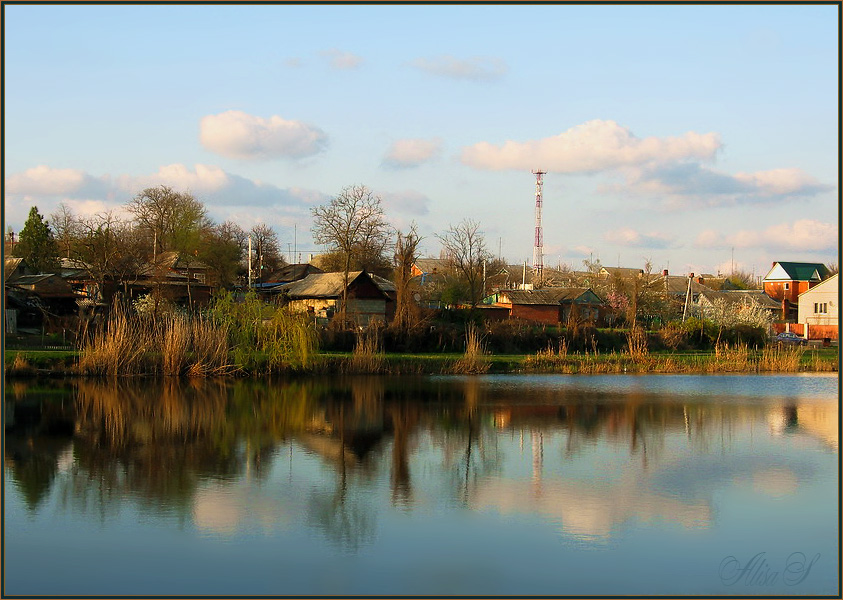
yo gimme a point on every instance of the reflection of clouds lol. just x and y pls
(226, 510)
(589, 509)
(775, 482)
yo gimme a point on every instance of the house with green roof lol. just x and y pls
(786, 280)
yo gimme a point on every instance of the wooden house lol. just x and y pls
(321, 294)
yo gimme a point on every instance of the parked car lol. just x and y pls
(790, 338)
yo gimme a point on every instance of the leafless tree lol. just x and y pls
(173, 219)
(406, 253)
(465, 248)
(67, 228)
(266, 248)
(352, 220)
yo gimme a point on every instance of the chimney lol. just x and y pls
(664, 273)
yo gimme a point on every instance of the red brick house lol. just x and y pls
(550, 306)
(786, 280)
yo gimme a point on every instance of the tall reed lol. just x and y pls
(368, 356)
(781, 358)
(474, 361)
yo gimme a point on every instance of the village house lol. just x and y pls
(786, 280)
(179, 277)
(818, 312)
(708, 300)
(321, 295)
(550, 306)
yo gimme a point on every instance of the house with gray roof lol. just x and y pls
(321, 294)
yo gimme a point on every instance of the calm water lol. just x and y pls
(494, 485)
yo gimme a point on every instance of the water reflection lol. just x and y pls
(228, 457)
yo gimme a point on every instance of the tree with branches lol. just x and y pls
(267, 249)
(351, 221)
(465, 249)
(173, 219)
(406, 253)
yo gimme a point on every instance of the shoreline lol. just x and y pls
(39, 363)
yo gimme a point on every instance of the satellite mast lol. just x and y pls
(538, 247)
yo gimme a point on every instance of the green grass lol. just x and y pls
(820, 359)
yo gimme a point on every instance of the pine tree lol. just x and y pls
(37, 246)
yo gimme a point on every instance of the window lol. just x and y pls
(787, 286)
(820, 308)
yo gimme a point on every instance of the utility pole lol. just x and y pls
(250, 263)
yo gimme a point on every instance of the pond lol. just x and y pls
(490, 485)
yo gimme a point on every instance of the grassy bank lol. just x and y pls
(724, 360)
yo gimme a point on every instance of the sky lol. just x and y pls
(694, 138)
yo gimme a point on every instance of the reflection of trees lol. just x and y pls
(157, 441)
(38, 430)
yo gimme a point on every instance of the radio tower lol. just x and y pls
(538, 249)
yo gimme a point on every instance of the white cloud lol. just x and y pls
(472, 69)
(412, 152)
(591, 147)
(46, 181)
(223, 193)
(341, 60)
(202, 180)
(627, 236)
(235, 134)
(805, 235)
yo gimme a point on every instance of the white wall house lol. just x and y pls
(819, 305)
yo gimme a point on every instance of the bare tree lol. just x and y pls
(465, 248)
(406, 253)
(352, 220)
(66, 227)
(173, 219)
(266, 248)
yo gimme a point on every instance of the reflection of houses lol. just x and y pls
(550, 306)
(818, 310)
(321, 294)
(786, 280)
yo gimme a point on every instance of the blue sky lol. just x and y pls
(673, 134)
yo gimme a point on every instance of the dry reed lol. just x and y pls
(368, 356)
(474, 361)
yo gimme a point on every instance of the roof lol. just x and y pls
(546, 296)
(740, 297)
(798, 271)
(622, 271)
(10, 265)
(290, 273)
(678, 285)
(384, 284)
(174, 261)
(321, 285)
(431, 265)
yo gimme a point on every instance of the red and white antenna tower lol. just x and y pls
(538, 248)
